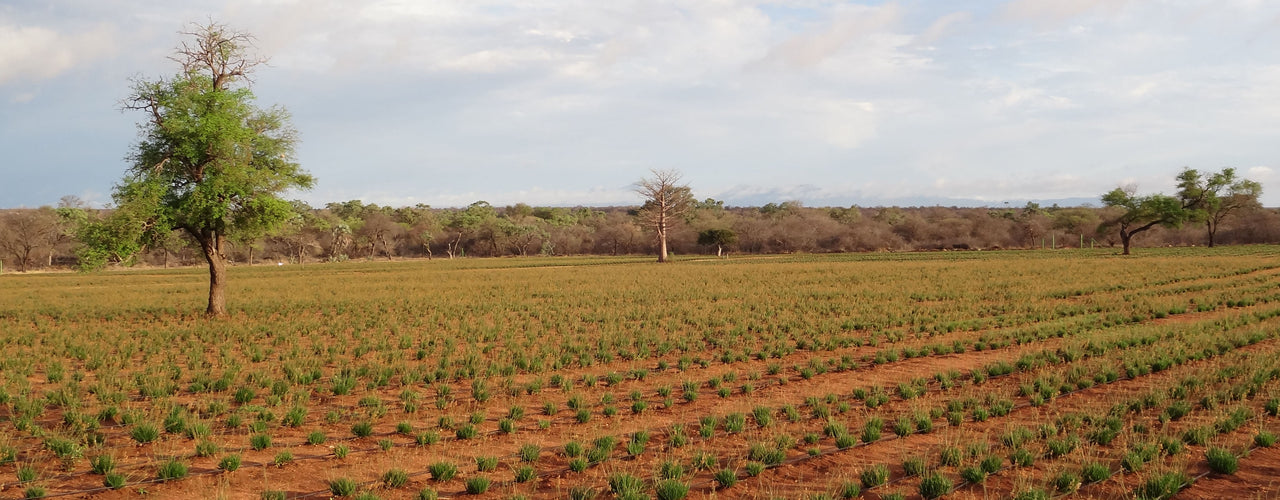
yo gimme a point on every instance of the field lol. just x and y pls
(960, 374)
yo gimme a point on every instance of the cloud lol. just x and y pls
(1053, 11)
(810, 49)
(35, 53)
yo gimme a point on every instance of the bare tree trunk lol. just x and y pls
(211, 244)
(719, 251)
(166, 257)
(1213, 228)
(1125, 238)
(662, 246)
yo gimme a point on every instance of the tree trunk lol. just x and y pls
(662, 246)
(719, 251)
(166, 258)
(1125, 238)
(211, 244)
(1213, 228)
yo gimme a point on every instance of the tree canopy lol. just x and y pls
(1141, 213)
(208, 162)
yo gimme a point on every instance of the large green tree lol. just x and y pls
(1216, 197)
(209, 161)
(1140, 213)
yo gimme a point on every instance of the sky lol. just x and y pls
(831, 103)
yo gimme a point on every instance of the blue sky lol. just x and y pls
(446, 102)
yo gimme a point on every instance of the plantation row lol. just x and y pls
(276, 390)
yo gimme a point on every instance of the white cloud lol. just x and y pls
(36, 53)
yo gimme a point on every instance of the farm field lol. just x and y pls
(962, 374)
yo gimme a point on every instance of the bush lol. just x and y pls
(342, 487)
(726, 478)
(1066, 482)
(874, 475)
(525, 473)
(102, 464)
(529, 452)
(34, 492)
(172, 469)
(442, 471)
(477, 485)
(934, 486)
(1094, 472)
(754, 469)
(486, 464)
(973, 474)
(362, 429)
(230, 462)
(316, 437)
(623, 484)
(260, 442)
(395, 478)
(913, 466)
(1221, 460)
(848, 490)
(1264, 439)
(582, 493)
(114, 481)
(671, 489)
(428, 494)
(145, 432)
(1161, 486)
(1031, 494)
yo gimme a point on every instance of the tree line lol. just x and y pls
(55, 237)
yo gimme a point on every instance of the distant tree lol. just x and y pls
(25, 235)
(718, 238)
(209, 161)
(1215, 198)
(1140, 213)
(666, 200)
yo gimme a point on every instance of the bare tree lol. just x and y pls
(665, 201)
(26, 234)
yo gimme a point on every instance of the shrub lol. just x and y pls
(428, 494)
(973, 474)
(341, 451)
(578, 464)
(874, 475)
(260, 441)
(1031, 494)
(950, 456)
(362, 429)
(582, 493)
(1264, 439)
(848, 490)
(114, 481)
(754, 469)
(1221, 460)
(529, 452)
(477, 485)
(442, 471)
(913, 466)
(34, 492)
(206, 448)
(671, 489)
(623, 484)
(934, 486)
(726, 478)
(102, 464)
(1161, 486)
(316, 437)
(1094, 472)
(525, 473)
(1066, 482)
(145, 432)
(282, 458)
(395, 478)
(342, 487)
(486, 464)
(1022, 458)
(172, 469)
(230, 462)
